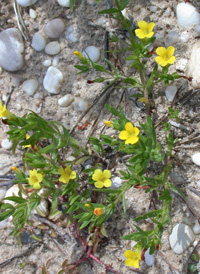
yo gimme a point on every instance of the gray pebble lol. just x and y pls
(52, 48)
(38, 41)
(54, 28)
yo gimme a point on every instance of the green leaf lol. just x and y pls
(165, 195)
(100, 80)
(98, 67)
(16, 199)
(109, 11)
(112, 110)
(176, 190)
(150, 214)
(123, 4)
(4, 215)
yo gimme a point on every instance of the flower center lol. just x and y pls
(35, 179)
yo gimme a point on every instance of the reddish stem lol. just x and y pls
(141, 187)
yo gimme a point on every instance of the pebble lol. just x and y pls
(53, 80)
(64, 3)
(54, 28)
(1, 70)
(55, 61)
(181, 64)
(187, 15)
(116, 182)
(194, 65)
(30, 86)
(171, 38)
(92, 52)
(66, 100)
(149, 259)
(198, 28)
(52, 48)
(193, 202)
(33, 258)
(81, 104)
(185, 36)
(196, 228)
(196, 158)
(181, 238)
(198, 183)
(13, 191)
(11, 49)
(47, 63)
(72, 34)
(32, 13)
(3, 224)
(38, 41)
(170, 93)
(3, 191)
(26, 3)
(6, 144)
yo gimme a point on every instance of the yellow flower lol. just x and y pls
(130, 134)
(108, 123)
(132, 258)
(87, 205)
(98, 211)
(80, 55)
(35, 178)
(4, 112)
(165, 56)
(145, 30)
(14, 168)
(102, 178)
(27, 137)
(66, 175)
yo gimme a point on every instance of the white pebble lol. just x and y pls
(196, 158)
(66, 100)
(54, 28)
(32, 13)
(149, 259)
(47, 63)
(198, 28)
(153, 8)
(171, 39)
(30, 86)
(13, 191)
(1, 70)
(81, 104)
(52, 48)
(38, 41)
(53, 80)
(198, 183)
(33, 258)
(6, 144)
(26, 22)
(92, 52)
(72, 34)
(170, 93)
(181, 238)
(3, 191)
(116, 182)
(3, 224)
(185, 36)
(196, 228)
(64, 3)
(26, 3)
(187, 15)
(55, 61)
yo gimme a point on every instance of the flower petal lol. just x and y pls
(132, 140)
(128, 253)
(107, 173)
(37, 186)
(98, 184)
(136, 131)
(170, 51)
(161, 61)
(73, 175)
(143, 25)
(123, 135)
(136, 263)
(97, 175)
(150, 34)
(140, 33)
(171, 60)
(129, 262)
(107, 183)
(129, 127)
(39, 177)
(151, 25)
(60, 170)
(161, 51)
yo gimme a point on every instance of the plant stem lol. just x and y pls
(146, 92)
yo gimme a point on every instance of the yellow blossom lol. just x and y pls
(4, 112)
(145, 30)
(165, 56)
(98, 211)
(87, 205)
(66, 175)
(26, 146)
(108, 123)
(102, 178)
(35, 178)
(14, 168)
(130, 134)
(80, 55)
(132, 258)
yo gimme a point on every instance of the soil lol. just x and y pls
(59, 245)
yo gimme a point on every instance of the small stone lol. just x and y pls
(181, 238)
(55, 61)
(194, 65)
(32, 13)
(196, 158)
(170, 93)
(198, 28)
(13, 191)
(54, 28)
(3, 224)
(64, 3)
(196, 228)
(3, 191)
(187, 15)
(193, 202)
(38, 41)
(30, 86)
(6, 144)
(198, 183)
(171, 39)
(47, 63)
(181, 64)
(81, 104)
(26, 3)
(153, 8)
(116, 182)
(149, 259)
(72, 34)
(33, 258)
(53, 80)
(1, 70)
(92, 52)
(185, 36)
(66, 100)
(52, 48)
(11, 49)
